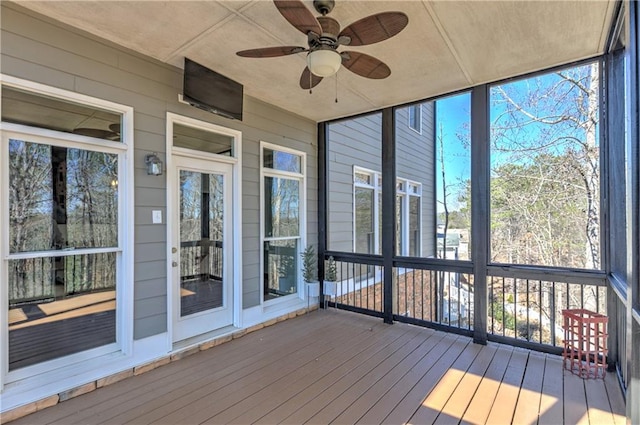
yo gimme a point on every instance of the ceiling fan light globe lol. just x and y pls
(324, 63)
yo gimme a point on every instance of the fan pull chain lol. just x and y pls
(336, 87)
(310, 88)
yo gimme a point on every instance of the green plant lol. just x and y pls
(330, 272)
(309, 267)
(502, 316)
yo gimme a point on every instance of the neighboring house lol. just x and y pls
(355, 186)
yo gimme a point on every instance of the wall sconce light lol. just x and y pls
(154, 164)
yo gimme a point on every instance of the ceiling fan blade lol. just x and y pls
(298, 15)
(329, 25)
(115, 127)
(270, 52)
(95, 132)
(308, 80)
(375, 28)
(365, 65)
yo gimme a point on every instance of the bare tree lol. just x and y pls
(545, 139)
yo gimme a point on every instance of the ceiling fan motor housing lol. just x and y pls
(324, 6)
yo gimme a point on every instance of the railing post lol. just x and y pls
(323, 164)
(480, 208)
(388, 208)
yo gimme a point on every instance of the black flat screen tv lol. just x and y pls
(208, 90)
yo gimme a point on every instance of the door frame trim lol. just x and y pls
(236, 216)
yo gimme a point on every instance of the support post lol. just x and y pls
(480, 208)
(323, 165)
(388, 208)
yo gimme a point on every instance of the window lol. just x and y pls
(408, 199)
(415, 117)
(367, 193)
(366, 216)
(545, 170)
(203, 140)
(65, 212)
(283, 219)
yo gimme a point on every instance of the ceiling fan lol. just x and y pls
(324, 37)
(112, 134)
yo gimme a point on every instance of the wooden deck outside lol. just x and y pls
(338, 367)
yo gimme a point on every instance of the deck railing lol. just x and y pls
(33, 280)
(531, 309)
(359, 285)
(426, 295)
(522, 309)
(201, 260)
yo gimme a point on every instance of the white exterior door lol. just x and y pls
(202, 246)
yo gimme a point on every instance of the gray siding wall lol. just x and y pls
(415, 160)
(351, 142)
(41, 50)
(357, 142)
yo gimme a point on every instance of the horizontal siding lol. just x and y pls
(39, 49)
(357, 142)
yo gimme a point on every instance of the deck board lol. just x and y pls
(528, 404)
(599, 406)
(342, 385)
(325, 374)
(339, 367)
(552, 399)
(464, 392)
(251, 407)
(150, 390)
(433, 405)
(480, 406)
(403, 412)
(575, 400)
(410, 365)
(186, 396)
(355, 389)
(391, 398)
(505, 402)
(325, 384)
(616, 398)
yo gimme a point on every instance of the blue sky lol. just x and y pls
(453, 116)
(555, 97)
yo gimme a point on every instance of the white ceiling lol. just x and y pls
(448, 45)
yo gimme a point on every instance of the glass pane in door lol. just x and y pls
(201, 239)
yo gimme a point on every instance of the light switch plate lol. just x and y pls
(156, 216)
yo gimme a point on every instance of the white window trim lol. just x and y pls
(405, 194)
(418, 109)
(302, 238)
(377, 193)
(125, 277)
(236, 162)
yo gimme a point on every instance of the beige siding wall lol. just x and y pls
(37, 49)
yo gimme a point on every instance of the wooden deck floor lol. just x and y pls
(338, 367)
